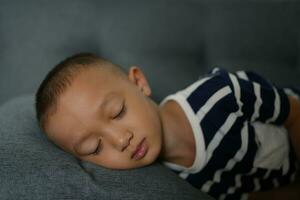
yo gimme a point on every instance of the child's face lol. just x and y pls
(108, 120)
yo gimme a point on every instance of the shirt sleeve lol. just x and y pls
(258, 99)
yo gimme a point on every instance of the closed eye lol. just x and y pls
(121, 113)
(98, 149)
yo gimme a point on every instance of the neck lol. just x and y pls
(178, 139)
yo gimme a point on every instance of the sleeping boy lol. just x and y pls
(232, 135)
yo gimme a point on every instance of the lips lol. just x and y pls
(140, 150)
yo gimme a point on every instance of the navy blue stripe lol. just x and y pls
(176, 171)
(242, 167)
(268, 98)
(231, 142)
(216, 117)
(234, 196)
(284, 108)
(267, 184)
(254, 77)
(296, 90)
(199, 96)
(248, 98)
(284, 180)
(224, 152)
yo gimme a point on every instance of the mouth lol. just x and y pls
(140, 150)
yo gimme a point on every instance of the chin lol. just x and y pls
(152, 156)
(144, 163)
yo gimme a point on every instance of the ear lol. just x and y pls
(137, 77)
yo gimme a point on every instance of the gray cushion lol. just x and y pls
(31, 167)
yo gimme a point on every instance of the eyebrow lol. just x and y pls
(107, 99)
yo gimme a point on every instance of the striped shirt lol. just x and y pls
(241, 145)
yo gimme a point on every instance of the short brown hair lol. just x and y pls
(59, 78)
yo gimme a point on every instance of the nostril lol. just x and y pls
(126, 141)
(130, 137)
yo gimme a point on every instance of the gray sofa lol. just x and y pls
(173, 41)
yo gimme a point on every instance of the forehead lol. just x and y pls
(81, 100)
(88, 86)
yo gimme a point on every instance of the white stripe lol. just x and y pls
(226, 126)
(286, 166)
(238, 182)
(200, 157)
(183, 175)
(293, 177)
(220, 134)
(244, 197)
(212, 101)
(258, 102)
(231, 163)
(275, 183)
(256, 184)
(276, 107)
(222, 197)
(237, 91)
(267, 174)
(215, 70)
(291, 93)
(242, 75)
(190, 89)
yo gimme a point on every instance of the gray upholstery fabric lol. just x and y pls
(33, 168)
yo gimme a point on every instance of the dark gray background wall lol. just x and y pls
(173, 41)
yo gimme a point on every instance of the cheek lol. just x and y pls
(147, 124)
(144, 114)
(111, 158)
(118, 162)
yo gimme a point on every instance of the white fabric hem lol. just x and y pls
(200, 155)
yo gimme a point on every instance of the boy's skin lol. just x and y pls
(78, 116)
(108, 133)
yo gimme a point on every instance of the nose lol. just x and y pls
(121, 140)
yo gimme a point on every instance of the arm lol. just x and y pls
(291, 192)
(289, 106)
(293, 124)
(255, 87)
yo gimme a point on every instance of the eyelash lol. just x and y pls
(121, 113)
(98, 149)
(118, 116)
